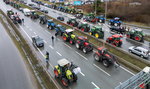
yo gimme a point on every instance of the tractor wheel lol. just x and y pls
(47, 26)
(84, 50)
(64, 82)
(105, 63)
(56, 73)
(141, 56)
(100, 21)
(75, 78)
(71, 41)
(82, 29)
(137, 38)
(96, 57)
(50, 27)
(77, 46)
(96, 35)
(128, 36)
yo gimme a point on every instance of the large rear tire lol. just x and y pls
(105, 63)
(64, 82)
(137, 38)
(96, 57)
(77, 46)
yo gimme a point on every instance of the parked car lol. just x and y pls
(61, 18)
(26, 12)
(37, 41)
(142, 52)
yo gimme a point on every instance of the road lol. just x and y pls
(93, 74)
(126, 42)
(13, 71)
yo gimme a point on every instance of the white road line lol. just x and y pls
(51, 47)
(58, 39)
(101, 70)
(26, 33)
(34, 33)
(44, 41)
(95, 85)
(81, 55)
(82, 74)
(58, 53)
(94, 51)
(68, 46)
(47, 32)
(127, 70)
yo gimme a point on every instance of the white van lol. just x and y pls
(26, 12)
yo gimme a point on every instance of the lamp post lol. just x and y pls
(105, 10)
(95, 7)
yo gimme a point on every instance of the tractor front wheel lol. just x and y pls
(96, 57)
(96, 35)
(77, 46)
(64, 38)
(105, 63)
(84, 50)
(56, 73)
(75, 78)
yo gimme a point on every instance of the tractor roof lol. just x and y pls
(82, 38)
(100, 48)
(72, 17)
(116, 36)
(59, 25)
(69, 30)
(50, 20)
(63, 62)
(116, 18)
(83, 22)
(138, 29)
(97, 27)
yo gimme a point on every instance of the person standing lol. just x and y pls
(22, 21)
(47, 57)
(52, 40)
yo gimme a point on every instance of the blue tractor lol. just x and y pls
(101, 18)
(115, 22)
(50, 24)
(60, 29)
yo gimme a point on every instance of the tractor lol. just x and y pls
(84, 26)
(9, 13)
(115, 40)
(60, 29)
(135, 34)
(69, 36)
(83, 44)
(118, 29)
(79, 14)
(16, 19)
(115, 22)
(72, 21)
(97, 32)
(43, 19)
(34, 15)
(66, 71)
(104, 56)
(50, 24)
(90, 18)
(101, 19)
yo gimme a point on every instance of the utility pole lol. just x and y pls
(95, 7)
(105, 11)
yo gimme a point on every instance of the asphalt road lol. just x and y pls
(93, 74)
(107, 33)
(13, 71)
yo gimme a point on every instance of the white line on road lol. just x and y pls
(34, 33)
(95, 85)
(82, 74)
(68, 46)
(101, 70)
(58, 53)
(81, 55)
(51, 47)
(47, 32)
(44, 41)
(26, 33)
(127, 70)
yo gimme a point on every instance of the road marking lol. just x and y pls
(67, 45)
(82, 74)
(51, 47)
(34, 33)
(127, 70)
(44, 41)
(26, 33)
(58, 53)
(81, 55)
(101, 70)
(58, 39)
(95, 85)
(48, 32)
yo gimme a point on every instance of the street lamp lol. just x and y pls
(105, 10)
(95, 7)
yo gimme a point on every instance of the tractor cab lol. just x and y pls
(116, 37)
(66, 71)
(60, 29)
(72, 21)
(101, 18)
(50, 24)
(10, 12)
(34, 15)
(84, 26)
(43, 19)
(115, 22)
(79, 14)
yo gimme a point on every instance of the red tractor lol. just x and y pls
(83, 44)
(115, 40)
(102, 55)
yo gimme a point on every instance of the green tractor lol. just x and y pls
(136, 34)
(69, 36)
(84, 26)
(9, 13)
(66, 71)
(73, 22)
(97, 32)
(34, 15)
